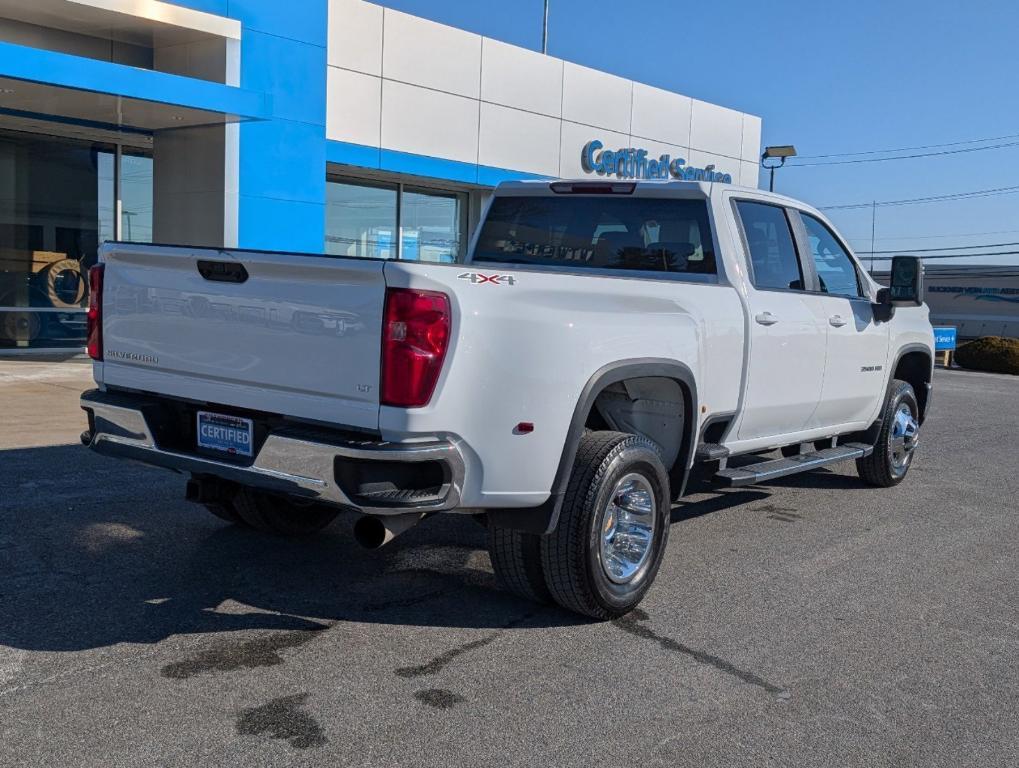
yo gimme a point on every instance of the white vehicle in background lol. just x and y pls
(602, 340)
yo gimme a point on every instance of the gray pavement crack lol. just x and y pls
(443, 659)
(633, 623)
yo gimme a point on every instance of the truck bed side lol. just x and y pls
(524, 350)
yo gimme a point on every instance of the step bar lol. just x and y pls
(764, 471)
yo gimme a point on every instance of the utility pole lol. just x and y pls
(544, 31)
(873, 229)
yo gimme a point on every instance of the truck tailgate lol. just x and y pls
(300, 336)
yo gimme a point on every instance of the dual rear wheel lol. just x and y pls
(613, 527)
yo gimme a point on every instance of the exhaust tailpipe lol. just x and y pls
(373, 532)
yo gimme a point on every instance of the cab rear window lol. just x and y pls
(599, 232)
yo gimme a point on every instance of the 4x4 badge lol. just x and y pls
(479, 279)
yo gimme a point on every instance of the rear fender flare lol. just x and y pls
(544, 518)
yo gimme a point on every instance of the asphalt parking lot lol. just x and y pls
(813, 622)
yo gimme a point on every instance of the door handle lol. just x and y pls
(837, 321)
(766, 318)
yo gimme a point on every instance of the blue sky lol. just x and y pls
(829, 78)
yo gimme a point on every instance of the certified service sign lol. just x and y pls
(634, 163)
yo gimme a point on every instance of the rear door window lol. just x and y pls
(773, 256)
(599, 232)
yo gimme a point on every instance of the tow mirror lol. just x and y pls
(907, 281)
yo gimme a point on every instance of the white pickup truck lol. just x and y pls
(602, 340)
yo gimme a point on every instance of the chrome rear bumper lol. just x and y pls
(288, 462)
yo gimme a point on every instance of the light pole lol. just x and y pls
(781, 153)
(129, 215)
(544, 31)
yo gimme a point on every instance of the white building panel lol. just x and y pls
(521, 78)
(597, 99)
(655, 149)
(697, 159)
(716, 129)
(433, 55)
(355, 36)
(575, 137)
(749, 174)
(427, 122)
(661, 115)
(353, 107)
(751, 138)
(524, 141)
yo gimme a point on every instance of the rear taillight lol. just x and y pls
(95, 312)
(415, 336)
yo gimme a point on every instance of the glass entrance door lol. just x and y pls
(51, 206)
(57, 205)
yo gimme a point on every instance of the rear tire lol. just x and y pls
(896, 442)
(225, 511)
(279, 515)
(516, 560)
(613, 528)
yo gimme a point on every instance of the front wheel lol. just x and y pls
(605, 552)
(897, 440)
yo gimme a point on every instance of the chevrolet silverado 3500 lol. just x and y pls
(600, 342)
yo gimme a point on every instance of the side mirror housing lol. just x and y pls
(884, 310)
(907, 281)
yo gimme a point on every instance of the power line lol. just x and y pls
(946, 248)
(910, 149)
(933, 199)
(903, 157)
(938, 256)
(935, 237)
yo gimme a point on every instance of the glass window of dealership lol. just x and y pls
(391, 220)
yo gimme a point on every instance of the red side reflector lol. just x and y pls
(415, 336)
(94, 346)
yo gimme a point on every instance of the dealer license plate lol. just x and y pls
(229, 434)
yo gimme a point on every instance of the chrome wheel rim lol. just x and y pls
(627, 529)
(903, 436)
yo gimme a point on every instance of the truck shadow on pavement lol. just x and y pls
(94, 553)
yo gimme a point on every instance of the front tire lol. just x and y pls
(897, 440)
(613, 528)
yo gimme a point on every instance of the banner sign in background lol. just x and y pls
(944, 339)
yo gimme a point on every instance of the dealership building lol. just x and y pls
(322, 126)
